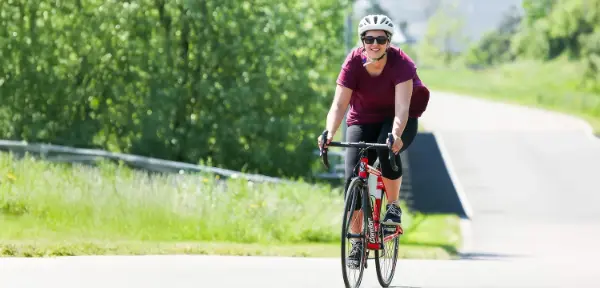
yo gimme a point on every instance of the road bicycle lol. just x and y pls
(373, 236)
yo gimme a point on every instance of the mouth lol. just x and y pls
(375, 49)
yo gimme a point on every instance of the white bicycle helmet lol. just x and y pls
(375, 22)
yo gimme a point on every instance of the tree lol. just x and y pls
(243, 84)
(443, 36)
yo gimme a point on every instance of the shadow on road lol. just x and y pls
(427, 186)
(486, 256)
(448, 248)
(479, 256)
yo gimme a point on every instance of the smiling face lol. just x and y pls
(375, 43)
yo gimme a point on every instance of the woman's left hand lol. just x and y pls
(397, 144)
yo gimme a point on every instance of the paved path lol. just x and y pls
(237, 272)
(529, 179)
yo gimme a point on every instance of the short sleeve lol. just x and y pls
(405, 68)
(348, 76)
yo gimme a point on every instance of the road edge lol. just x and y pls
(589, 130)
(465, 222)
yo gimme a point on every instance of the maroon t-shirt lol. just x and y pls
(373, 97)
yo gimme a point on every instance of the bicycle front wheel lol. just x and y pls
(385, 259)
(354, 245)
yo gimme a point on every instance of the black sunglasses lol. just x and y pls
(380, 39)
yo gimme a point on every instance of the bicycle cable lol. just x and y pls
(354, 170)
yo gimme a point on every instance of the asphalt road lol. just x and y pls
(208, 271)
(528, 178)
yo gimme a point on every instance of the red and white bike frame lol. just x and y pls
(373, 220)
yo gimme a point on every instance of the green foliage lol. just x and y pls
(56, 206)
(553, 85)
(548, 30)
(548, 57)
(443, 36)
(564, 27)
(537, 9)
(495, 46)
(591, 48)
(243, 84)
(114, 202)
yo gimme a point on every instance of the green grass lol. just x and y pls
(59, 209)
(552, 85)
(89, 247)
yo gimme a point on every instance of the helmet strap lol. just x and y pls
(377, 59)
(372, 60)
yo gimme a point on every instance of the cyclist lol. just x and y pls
(380, 83)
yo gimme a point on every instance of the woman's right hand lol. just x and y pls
(320, 140)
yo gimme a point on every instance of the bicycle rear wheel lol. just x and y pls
(352, 273)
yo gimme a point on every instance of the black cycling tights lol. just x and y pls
(377, 133)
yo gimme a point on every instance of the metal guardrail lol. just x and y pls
(57, 153)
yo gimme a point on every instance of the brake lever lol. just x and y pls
(391, 155)
(323, 150)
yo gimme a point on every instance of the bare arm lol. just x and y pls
(338, 109)
(402, 96)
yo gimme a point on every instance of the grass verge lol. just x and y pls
(552, 85)
(51, 209)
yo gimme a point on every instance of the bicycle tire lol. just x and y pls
(385, 281)
(350, 202)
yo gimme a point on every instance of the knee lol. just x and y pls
(388, 172)
(393, 180)
(393, 175)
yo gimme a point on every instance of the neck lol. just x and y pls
(378, 64)
(381, 62)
